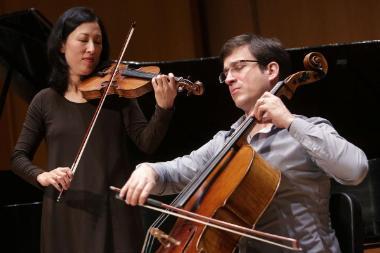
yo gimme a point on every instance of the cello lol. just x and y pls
(235, 188)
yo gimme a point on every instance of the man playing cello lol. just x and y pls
(308, 151)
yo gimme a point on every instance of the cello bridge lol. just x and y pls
(165, 239)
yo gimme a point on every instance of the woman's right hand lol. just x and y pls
(60, 178)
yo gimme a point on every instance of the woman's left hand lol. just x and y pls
(165, 90)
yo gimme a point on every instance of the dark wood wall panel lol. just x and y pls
(175, 30)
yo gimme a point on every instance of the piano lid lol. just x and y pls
(23, 49)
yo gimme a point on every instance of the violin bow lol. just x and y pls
(87, 135)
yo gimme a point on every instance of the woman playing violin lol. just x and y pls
(86, 219)
(307, 151)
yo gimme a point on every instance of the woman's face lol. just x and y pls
(82, 49)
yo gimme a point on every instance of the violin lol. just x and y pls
(131, 83)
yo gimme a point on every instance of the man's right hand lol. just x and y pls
(138, 187)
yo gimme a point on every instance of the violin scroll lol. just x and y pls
(195, 88)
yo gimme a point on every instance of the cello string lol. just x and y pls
(158, 204)
(295, 248)
(163, 217)
(149, 239)
(301, 79)
(158, 223)
(196, 181)
(215, 223)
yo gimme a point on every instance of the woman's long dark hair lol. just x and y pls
(68, 22)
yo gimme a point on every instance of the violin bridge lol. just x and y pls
(166, 240)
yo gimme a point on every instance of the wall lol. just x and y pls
(173, 30)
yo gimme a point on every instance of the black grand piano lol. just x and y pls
(348, 97)
(23, 62)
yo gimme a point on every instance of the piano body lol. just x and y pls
(348, 96)
(23, 62)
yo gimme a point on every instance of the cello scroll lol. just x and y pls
(316, 68)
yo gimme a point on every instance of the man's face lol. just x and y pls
(245, 80)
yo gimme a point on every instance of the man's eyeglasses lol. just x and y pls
(235, 67)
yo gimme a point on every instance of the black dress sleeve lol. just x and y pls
(146, 135)
(31, 135)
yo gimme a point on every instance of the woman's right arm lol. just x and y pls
(32, 133)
